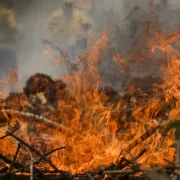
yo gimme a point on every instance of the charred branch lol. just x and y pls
(15, 156)
(32, 149)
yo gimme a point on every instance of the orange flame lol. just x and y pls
(97, 132)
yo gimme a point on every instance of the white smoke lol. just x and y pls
(32, 16)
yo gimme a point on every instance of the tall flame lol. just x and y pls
(96, 131)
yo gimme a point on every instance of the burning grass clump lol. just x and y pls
(42, 132)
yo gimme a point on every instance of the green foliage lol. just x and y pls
(174, 146)
(176, 126)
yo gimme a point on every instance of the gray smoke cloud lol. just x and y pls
(127, 15)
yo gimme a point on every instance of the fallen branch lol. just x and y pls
(37, 118)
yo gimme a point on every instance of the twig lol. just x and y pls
(138, 141)
(36, 162)
(120, 165)
(32, 162)
(127, 171)
(48, 153)
(19, 167)
(131, 171)
(15, 156)
(37, 118)
(151, 173)
(143, 137)
(2, 137)
(89, 176)
(33, 150)
(8, 161)
(64, 174)
(13, 131)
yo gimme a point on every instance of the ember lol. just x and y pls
(80, 127)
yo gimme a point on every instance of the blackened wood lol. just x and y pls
(12, 130)
(8, 161)
(32, 149)
(15, 156)
(122, 164)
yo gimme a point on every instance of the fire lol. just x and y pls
(98, 128)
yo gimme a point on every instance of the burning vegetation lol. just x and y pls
(79, 127)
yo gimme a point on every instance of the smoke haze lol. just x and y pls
(127, 15)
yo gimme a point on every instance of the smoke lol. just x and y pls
(126, 16)
(30, 56)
